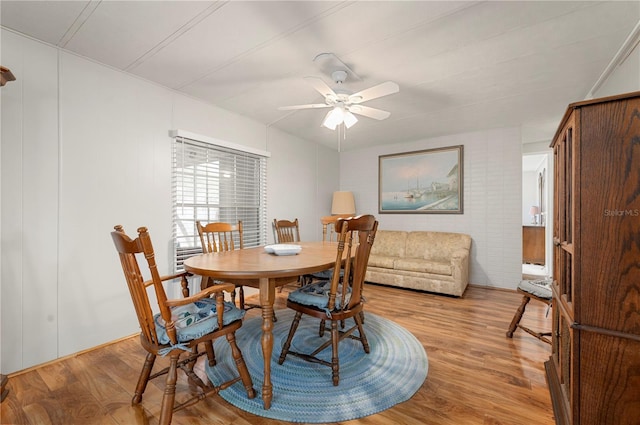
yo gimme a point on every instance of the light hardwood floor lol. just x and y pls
(476, 374)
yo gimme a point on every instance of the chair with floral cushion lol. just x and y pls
(340, 298)
(179, 327)
(329, 234)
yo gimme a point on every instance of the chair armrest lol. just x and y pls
(175, 276)
(205, 293)
(182, 276)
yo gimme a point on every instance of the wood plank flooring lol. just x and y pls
(476, 376)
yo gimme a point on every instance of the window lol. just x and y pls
(215, 182)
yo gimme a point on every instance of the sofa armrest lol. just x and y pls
(460, 265)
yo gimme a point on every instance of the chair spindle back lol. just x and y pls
(220, 237)
(287, 231)
(353, 233)
(129, 250)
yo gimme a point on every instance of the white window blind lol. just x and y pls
(216, 183)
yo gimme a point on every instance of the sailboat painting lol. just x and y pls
(427, 181)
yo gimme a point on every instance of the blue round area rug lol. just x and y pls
(391, 373)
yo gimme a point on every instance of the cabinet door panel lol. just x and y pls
(610, 216)
(566, 161)
(609, 380)
(594, 370)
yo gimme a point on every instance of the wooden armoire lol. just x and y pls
(594, 369)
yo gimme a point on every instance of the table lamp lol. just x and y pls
(343, 203)
(533, 212)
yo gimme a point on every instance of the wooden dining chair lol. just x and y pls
(287, 231)
(329, 234)
(221, 237)
(329, 227)
(337, 300)
(179, 327)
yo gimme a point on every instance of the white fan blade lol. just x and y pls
(376, 114)
(375, 92)
(320, 86)
(309, 106)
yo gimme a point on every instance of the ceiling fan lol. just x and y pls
(345, 103)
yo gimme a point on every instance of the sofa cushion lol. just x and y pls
(390, 243)
(437, 246)
(382, 261)
(423, 266)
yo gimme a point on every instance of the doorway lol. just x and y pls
(537, 189)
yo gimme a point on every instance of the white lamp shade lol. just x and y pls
(349, 119)
(337, 116)
(534, 210)
(343, 203)
(334, 118)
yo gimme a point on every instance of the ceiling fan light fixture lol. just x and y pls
(334, 118)
(344, 103)
(349, 119)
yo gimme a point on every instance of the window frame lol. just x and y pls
(204, 193)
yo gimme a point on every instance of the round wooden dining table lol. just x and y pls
(266, 270)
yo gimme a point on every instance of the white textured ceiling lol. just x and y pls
(461, 66)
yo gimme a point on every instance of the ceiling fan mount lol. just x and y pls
(339, 76)
(344, 102)
(343, 94)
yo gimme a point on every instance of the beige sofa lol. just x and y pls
(428, 261)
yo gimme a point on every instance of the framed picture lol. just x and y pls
(423, 182)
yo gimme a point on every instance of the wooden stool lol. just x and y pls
(539, 290)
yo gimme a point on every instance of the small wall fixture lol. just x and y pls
(5, 75)
(343, 203)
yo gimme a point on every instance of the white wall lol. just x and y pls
(29, 201)
(529, 194)
(85, 147)
(301, 168)
(625, 77)
(492, 199)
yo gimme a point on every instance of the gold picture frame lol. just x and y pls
(421, 182)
